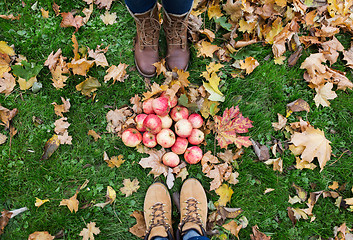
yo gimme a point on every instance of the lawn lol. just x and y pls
(260, 96)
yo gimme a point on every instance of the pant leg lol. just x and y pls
(159, 238)
(140, 6)
(193, 235)
(178, 7)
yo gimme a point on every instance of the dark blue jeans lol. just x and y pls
(170, 6)
(190, 235)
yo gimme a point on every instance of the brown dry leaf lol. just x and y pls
(7, 115)
(313, 64)
(45, 14)
(277, 164)
(64, 138)
(139, 229)
(95, 135)
(155, 89)
(206, 49)
(4, 219)
(282, 121)
(297, 106)
(340, 79)
(130, 187)
(217, 174)
(71, 203)
(88, 86)
(40, 202)
(209, 34)
(40, 236)
(300, 192)
(301, 164)
(70, 21)
(257, 235)
(52, 59)
(56, 9)
(103, 3)
(225, 194)
(331, 48)
(3, 138)
(137, 104)
(334, 185)
(114, 161)
(108, 18)
(7, 83)
(327, 31)
(249, 64)
(154, 161)
(226, 156)
(234, 9)
(87, 12)
(261, 151)
(63, 108)
(348, 56)
(323, 94)
(160, 67)
(58, 79)
(80, 66)
(98, 56)
(24, 85)
(117, 118)
(50, 147)
(10, 17)
(61, 125)
(183, 173)
(233, 228)
(117, 73)
(89, 232)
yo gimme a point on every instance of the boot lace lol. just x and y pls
(191, 214)
(149, 30)
(175, 31)
(158, 218)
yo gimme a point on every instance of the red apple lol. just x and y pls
(139, 122)
(179, 112)
(183, 128)
(193, 155)
(149, 139)
(131, 137)
(172, 101)
(166, 121)
(196, 120)
(152, 123)
(147, 106)
(196, 137)
(180, 145)
(166, 138)
(161, 106)
(170, 159)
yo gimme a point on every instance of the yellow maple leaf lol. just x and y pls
(214, 82)
(225, 193)
(24, 85)
(334, 185)
(206, 49)
(6, 49)
(117, 73)
(130, 186)
(114, 161)
(276, 29)
(323, 94)
(160, 67)
(214, 11)
(304, 164)
(71, 203)
(40, 202)
(245, 26)
(249, 64)
(279, 60)
(89, 232)
(213, 67)
(80, 66)
(45, 14)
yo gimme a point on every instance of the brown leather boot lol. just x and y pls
(175, 28)
(158, 212)
(146, 41)
(193, 208)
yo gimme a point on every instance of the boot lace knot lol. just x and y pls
(149, 29)
(158, 218)
(175, 32)
(191, 214)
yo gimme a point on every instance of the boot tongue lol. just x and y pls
(158, 231)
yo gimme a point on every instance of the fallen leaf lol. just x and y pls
(58, 78)
(261, 151)
(137, 104)
(183, 174)
(225, 193)
(234, 9)
(117, 118)
(52, 59)
(206, 49)
(249, 64)
(297, 106)
(277, 164)
(295, 199)
(114, 161)
(71, 203)
(3, 138)
(64, 138)
(50, 147)
(170, 178)
(331, 49)
(315, 143)
(108, 18)
(6, 49)
(340, 79)
(313, 64)
(155, 89)
(61, 125)
(103, 3)
(209, 108)
(4, 219)
(10, 17)
(214, 96)
(63, 108)
(348, 57)
(154, 161)
(139, 229)
(300, 192)
(98, 56)
(70, 21)
(7, 115)
(87, 12)
(301, 164)
(45, 14)
(257, 235)
(160, 67)
(7, 83)
(94, 135)
(40, 236)
(130, 187)
(88, 86)
(214, 11)
(24, 85)
(89, 232)
(117, 73)
(233, 228)
(282, 121)
(80, 66)
(40, 202)
(268, 190)
(209, 34)
(279, 60)
(334, 185)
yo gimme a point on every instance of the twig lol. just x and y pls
(339, 157)
(115, 213)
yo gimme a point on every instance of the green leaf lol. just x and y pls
(223, 22)
(26, 70)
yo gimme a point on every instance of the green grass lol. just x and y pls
(262, 95)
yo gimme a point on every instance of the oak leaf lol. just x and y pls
(130, 186)
(323, 94)
(154, 161)
(108, 18)
(88, 86)
(249, 64)
(95, 135)
(40, 202)
(89, 232)
(225, 194)
(7, 83)
(117, 73)
(70, 21)
(71, 203)
(229, 126)
(139, 229)
(98, 56)
(63, 108)
(206, 49)
(40, 236)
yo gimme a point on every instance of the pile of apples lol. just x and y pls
(154, 127)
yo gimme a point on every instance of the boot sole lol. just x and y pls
(143, 74)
